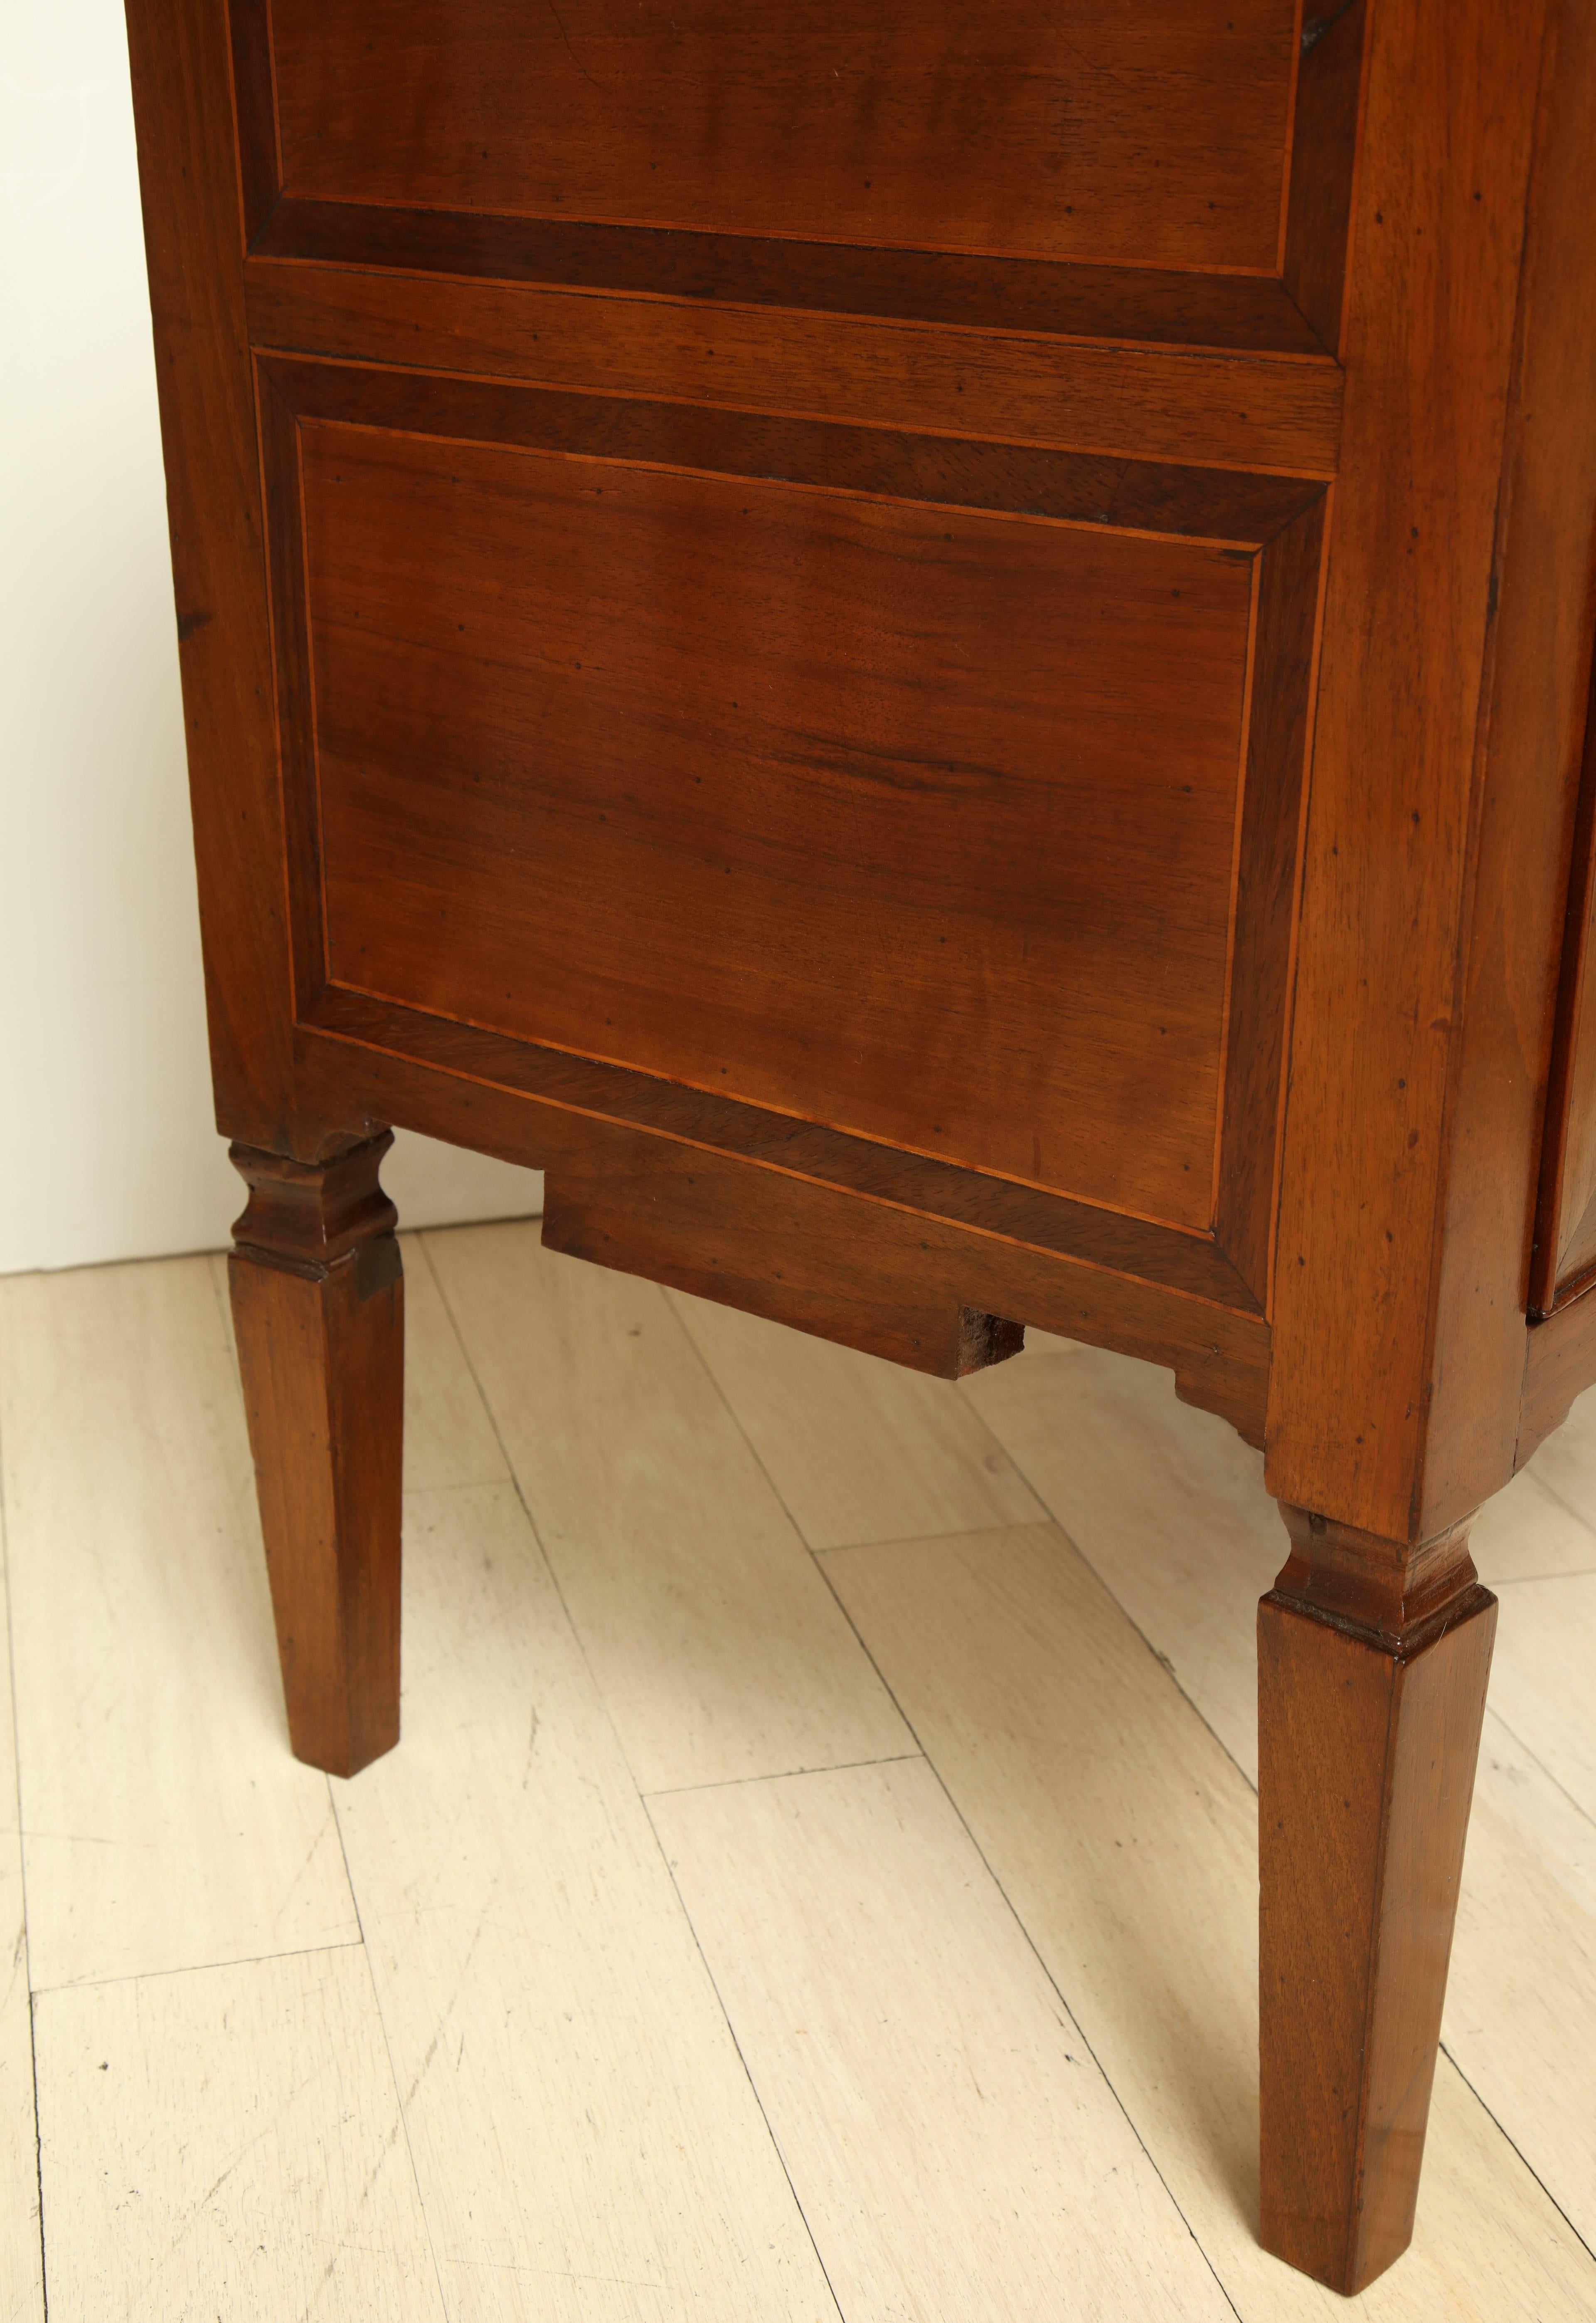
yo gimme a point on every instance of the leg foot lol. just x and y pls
(318, 1310)
(1372, 1658)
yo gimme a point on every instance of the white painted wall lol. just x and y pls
(107, 1148)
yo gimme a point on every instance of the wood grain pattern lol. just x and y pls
(1324, 146)
(1240, 507)
(230, 2142)
(456, 1072)
(1559, 1364)
(131, 1534)
(1149, 305)
(1430, 353)
(1220, 1359)
(260, 156)
(773, 726)
(685, 1243)
(1371, 1671)
(189, 181)
(1211, 505)
(1251, 412)
(1566, 1230)
(943, 2135)
(1160, 139)
(317, 1290)
(1289, 583)
(1556, 493)
(713, 1225)
(660, 834)
(1543, 594)
(299, 808)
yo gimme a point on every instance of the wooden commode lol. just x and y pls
(940, 656)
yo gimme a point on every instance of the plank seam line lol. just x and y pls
(1032, 1946)
(1514, 2148)
(399, 2101)
(776, 2146)
(816, 1559)
(602, 1700)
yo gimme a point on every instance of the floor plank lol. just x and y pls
(1126, 1838)
(588, 2147)
(449, 1436)
(1521, 1998)
(1527, 1530)
(1167, 1505)
(165, 1823)
(22, 2282)
(586, 2136)
(957, 2150)
(226, 2141)
(858, 1449)
(715, 1643)
(1542, 1678)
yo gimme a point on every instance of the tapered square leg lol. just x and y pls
(1372, 1660)
(317, 1294)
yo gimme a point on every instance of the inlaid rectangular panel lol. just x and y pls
(1094, 131)
(915, 820)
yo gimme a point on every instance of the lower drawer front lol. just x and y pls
(913, 821)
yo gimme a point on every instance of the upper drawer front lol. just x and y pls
(1097, 130)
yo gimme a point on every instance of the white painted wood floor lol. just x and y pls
(817, 1875)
